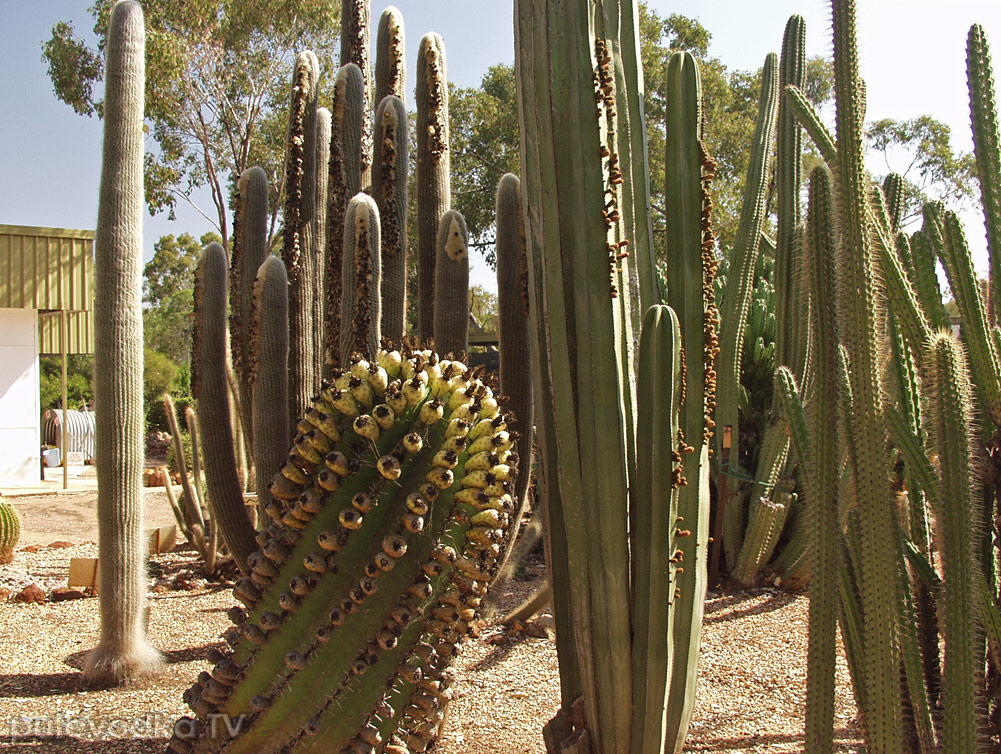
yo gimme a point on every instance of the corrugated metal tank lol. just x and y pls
(80, 432)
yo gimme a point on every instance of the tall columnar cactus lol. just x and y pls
(513, 331)
(451, 285)
(390, 58)
(319, 245)
(300, 208)
(858, 332)
(947, 385)
(389, 188)
(612, 452)
(736, 305)
(10, 532)
(388, 519)
(987, 149)
(269, 365)
(250, 247)
(123, 652)
(346, 125)
(229, 514)
(361, 302)
(433, 181)
(356, 22)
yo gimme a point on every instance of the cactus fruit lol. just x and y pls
(451, 285)
(389, 189)
(10, 532)
(361, 274)
(123, 652)
(433, 181)
(381, 543)
(211, 391)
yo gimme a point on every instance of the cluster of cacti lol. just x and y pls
(10, 532)
(387, 522)
(903, 448)
(624, 445)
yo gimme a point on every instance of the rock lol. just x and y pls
(543, 627)
(60, 544)
(63, 593)
(4, 593)
(31, 593)
(31, 548)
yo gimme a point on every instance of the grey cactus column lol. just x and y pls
(389, 188)
(451, 286)
(123, 652)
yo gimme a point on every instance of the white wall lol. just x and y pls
(19, 413)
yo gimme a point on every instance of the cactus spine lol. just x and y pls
(433, 181)
(269, 344)
(451, 285)
(346, 124)
(389, 188)
(229, 514)
(10, 532)
(514, 332)
(123, 652)
(361, 302)
(385, 531)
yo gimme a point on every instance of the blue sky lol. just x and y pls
(913, 59)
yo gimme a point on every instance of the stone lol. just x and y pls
(31, 593)
(63, 593)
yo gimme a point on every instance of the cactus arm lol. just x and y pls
(194, 521)
(229, 513)
(252, 239)
(451, 286)
(736, 303)
(514, 332)
(269, 344)
(858, 331)
(433, 181)
(658, 479)
(804, 112)
(925, 279)
(361, 302)
(947, 384)
(390, 59)
(356, 22)
(389, 188)
(191, 420)
(893, 190)
(123, 651)
(986, 149)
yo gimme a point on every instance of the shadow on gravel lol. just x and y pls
(728, 601)
(72, 745)
(43, 684)
(764, 742)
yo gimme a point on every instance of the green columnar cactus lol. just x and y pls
(451, 286)
(388, 519)
(250, 247)
(123, 652)
(390, 59)
(987, 149)
(893, 190)
(10, 532)
(514, 334)
(433, 181)
(858, 333)
(356, 23)
(389, 188)
(947, 385)
(736, 304)
(605, 564)
(361, 302)
(346, 124)
(300, 208)
(229, 514)
(691, 270)
(925, 279)
(269, 368)
(318, 250)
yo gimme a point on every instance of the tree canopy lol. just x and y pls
(217, 74)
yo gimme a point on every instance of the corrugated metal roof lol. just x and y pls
(46, 268)
(81, 333)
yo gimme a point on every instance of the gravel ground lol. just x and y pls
(751, 679)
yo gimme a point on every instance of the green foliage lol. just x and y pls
(159, 375)
(483, 306)
(215, 93)
(932, 168)
(79, 381)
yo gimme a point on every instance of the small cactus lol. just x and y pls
(386, 524)
(10, 532)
